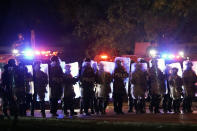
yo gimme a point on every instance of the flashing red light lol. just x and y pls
(55, 53)
(104, 56)
(43, 52)
(177, 57)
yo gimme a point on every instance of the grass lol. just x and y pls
(35, 124)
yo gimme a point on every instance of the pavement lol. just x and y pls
(110, 116)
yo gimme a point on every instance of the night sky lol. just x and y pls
(22, 16)
(110, 24)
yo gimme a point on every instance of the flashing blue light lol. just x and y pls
(168, 56)
(171, 56)
(28, 54)
(164, 56)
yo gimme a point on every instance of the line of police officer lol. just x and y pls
(15, 87)
(163, 88)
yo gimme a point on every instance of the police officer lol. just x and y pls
(175, 83)
(130, 86)
(167, 100)
(69, 93)
(8, 84)
(20, 43)
(28, 95)
(104, 80)
(119, 90)
(56, 81)
(93, 103)
(87, 80)
(81, 91)
(189, 80)
(139, 80)
(19, 90)
(157, 86)
(40, 83)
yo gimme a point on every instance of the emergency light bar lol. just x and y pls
(172, 56)
(29, 53)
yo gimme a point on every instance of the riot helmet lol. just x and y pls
(138, 66)
(36, 65)
(101, 67)
(11, 62)
(21, 66)
(154, 62)
(189, 65)
(118, 63)
(55, 60)
(174, 71)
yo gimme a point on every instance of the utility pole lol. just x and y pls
(33, 42)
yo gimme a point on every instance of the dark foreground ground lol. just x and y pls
(110, 121)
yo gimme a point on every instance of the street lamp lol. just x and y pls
(181, 53)
(153, 53)
(15, 51)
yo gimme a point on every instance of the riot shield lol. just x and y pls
(45, 69)
(194, 67)
(159, 83)
(94, 66)
(133, 67)
(75, 73)
(109, 67)
(62, 64)
(126, 63)
(30, 70)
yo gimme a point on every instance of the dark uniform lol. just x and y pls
(81, 91)
(167, 100)
(189, 80)
(93, 103)
(40, 83)
(104, 80)
(119, 90)
(157, 87)
(139, 80)
(175, 83)
(20, 44)
(56, 81)
(19, 90)
(130, 98)
(8, 84)
(87, 83)
(69, 93)
(28, 95)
